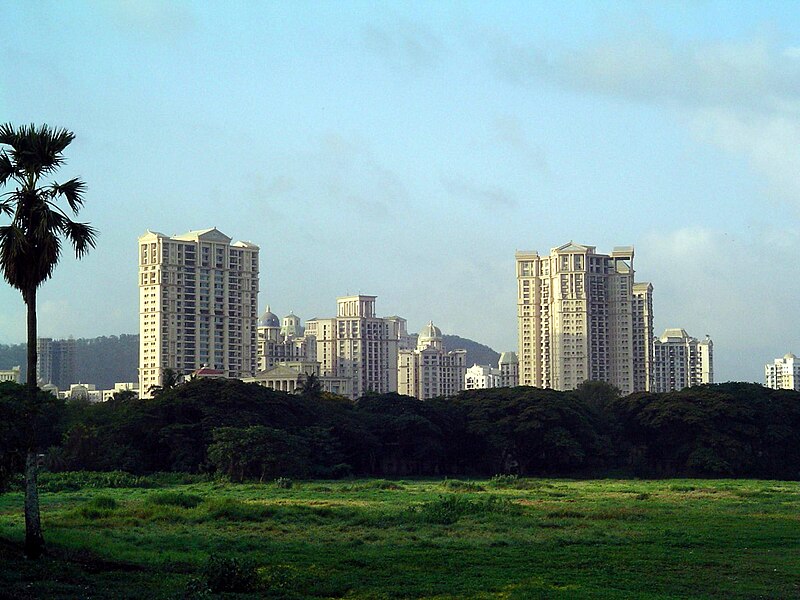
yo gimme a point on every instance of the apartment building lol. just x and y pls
(198, 296)
(429, 370)
(55, 361)
(358, 345)
(582, 317)
(681, 361)
(505, 374)
(783, 373)
(283, 341)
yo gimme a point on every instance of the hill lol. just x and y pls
(106, 360)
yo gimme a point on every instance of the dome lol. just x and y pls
(508, 358)
(430, 332)
(269, 319)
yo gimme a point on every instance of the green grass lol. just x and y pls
(372, 539)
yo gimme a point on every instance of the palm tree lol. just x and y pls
(30, 247)
(169, 381)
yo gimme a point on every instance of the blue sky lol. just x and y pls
(408, 149)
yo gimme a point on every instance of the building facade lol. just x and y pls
(357, 345)
(55, 361)
(429, 370)
(783, 373)
(198, 296)
(283, 342)
(290, 376)
(582, 317)
(12, 374)
(681, 361)
(506, 374)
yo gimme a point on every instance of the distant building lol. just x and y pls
(89, 391)
(290, 377)
(357, 345)
(509, 370)
(197, 305)
(783, 373)
(582, 317)
(506, 374)
(681, 361)
(55, 361)
(429, 370)
(280, 343)
(12, 374)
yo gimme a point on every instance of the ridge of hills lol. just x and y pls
(105, 360)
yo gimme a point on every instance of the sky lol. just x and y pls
(408, 149)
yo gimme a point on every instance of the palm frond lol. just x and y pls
(82, 236)
(72, 190)
(7, 170)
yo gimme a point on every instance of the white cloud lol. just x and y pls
(743, 98)
(739, 291)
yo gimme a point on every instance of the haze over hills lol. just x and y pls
(107, 360)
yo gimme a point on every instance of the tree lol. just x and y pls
(30, 248)
(311, 387)
(169, 381)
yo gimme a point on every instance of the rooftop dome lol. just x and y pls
(430, 332)
(269, 319)
(508, 358)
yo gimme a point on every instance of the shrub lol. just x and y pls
(181, 499)
(501, 480)
(228, 574)
(236, 510)
(456, 485)
(104, 502)
(446, 510)
(284, 483)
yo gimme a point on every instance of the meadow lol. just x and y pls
(117, 536)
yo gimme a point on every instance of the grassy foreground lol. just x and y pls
(509, 538)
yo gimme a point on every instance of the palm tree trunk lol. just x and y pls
(34, 540)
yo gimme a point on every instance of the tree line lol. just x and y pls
(244, 431)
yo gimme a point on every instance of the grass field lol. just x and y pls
(507, 538)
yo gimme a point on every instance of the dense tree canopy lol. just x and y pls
(245, 431)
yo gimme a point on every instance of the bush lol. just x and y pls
(104, 502)
(284, 483)
(228, 574)
(236, 510)
(446, 510)
(181, 499)
(456, 485)
(502, 480)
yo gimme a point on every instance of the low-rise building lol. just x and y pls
(12, 374)
(291, 377)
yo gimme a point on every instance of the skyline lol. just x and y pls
(407, 151)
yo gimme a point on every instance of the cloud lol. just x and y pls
(404, 45)
(743, 98)
(737, 290)
(770, 143)
(510, 132)
(489, 197)
(653, 68)
(151, 17)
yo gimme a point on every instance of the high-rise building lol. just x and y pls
(278, 343)
(429, 370)
(783, 373)
(55, 362)
(358, 345)
(681, 361)
(581, 317)
(198, 295)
